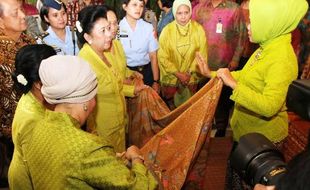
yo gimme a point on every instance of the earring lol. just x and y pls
(85, 108)
(90, 42)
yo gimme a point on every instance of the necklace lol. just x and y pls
(179, 31)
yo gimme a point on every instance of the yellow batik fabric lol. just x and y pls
(28, 113)
(62, 156)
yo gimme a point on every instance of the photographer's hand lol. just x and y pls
(264, 187)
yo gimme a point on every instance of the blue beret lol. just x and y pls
(56, 4)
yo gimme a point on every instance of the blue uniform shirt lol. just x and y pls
(139, 43)
(61, 47)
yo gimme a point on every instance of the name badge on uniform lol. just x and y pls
(123, 35)
(58, 50)
(219, 27)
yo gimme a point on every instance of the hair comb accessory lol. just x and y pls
(78, 26)
(22, 80)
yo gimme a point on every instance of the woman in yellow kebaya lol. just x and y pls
(116, 56)
(259, 89)
(30, 109)
(109, 117)
(178, 44)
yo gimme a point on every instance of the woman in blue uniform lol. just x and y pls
(60, 37)
(139, 43)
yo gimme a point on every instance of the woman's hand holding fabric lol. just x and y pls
(134, 154)
(227, 78)
(184, 78)
(156, 87)
(139, 87)
(203, 66)
(137, 75)
(263, 187)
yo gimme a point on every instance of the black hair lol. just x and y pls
(87, 18)
(167, 3)
(44, 12)
(126, 2)
(111, 9)
(27, 63)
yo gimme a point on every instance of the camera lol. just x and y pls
(257, 160)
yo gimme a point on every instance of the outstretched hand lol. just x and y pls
(202, 65)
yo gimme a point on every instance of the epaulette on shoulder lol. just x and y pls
(72, 28)
(42, 35)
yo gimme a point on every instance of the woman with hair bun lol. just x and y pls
(63, 156)
(30, 109)
(95, 34)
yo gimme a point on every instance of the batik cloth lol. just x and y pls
(306, 70)
(173, 139)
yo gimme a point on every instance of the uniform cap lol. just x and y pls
(55, 4)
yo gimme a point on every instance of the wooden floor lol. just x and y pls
(216, 163)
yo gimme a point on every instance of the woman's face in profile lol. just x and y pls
(183, 15)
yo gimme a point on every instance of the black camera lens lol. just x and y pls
(257, 160)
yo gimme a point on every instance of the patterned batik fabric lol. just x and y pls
(306, 71)
(62, 156)
(170, 153)
(8, 95)
(28, 113)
